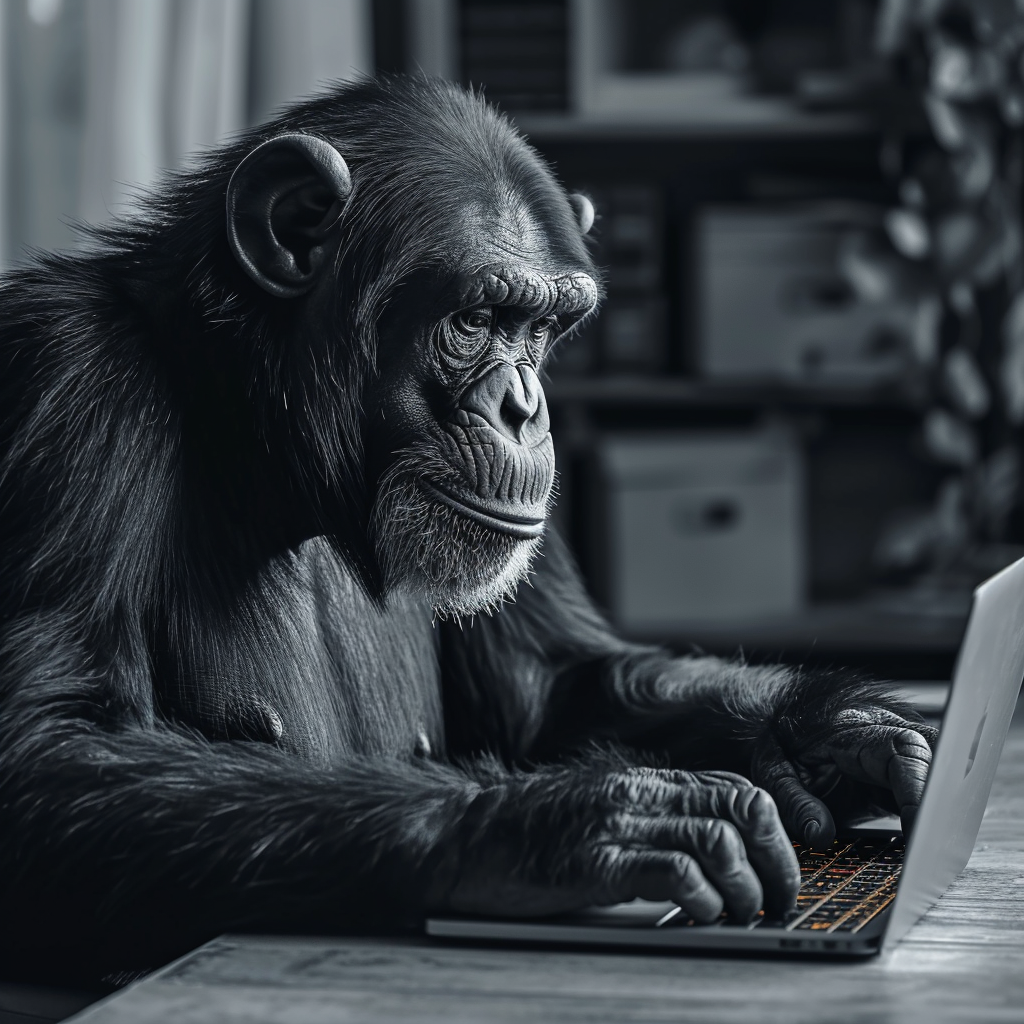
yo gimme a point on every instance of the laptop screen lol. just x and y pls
(986, 682)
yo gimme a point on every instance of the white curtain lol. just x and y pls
(297, 47)
(100, 96)
(162, 78)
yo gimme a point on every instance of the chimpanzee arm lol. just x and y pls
(555, 677)
(131, 839)
(115, 824)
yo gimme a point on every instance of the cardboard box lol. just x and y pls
(703, 527)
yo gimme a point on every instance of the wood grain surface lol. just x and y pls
(963, 962)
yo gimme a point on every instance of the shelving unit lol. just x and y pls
(693, 166)
(716, 145)
(753, 119)
(894, 634)
(678, 392)
(865, 633)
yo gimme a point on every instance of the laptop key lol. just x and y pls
(846, 886)
(843, 888)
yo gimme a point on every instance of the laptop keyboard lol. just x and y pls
(841, 889)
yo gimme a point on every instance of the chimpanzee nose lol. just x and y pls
(511, 399)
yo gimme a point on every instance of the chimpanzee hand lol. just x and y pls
(565, 838)
(853, 754)
(813, 740)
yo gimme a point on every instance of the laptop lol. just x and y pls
(866, 892)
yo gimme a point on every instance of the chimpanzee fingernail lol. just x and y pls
(812, 831)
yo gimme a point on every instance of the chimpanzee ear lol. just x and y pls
(584, 210)
(284, 202)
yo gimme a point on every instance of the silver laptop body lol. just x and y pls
(987, 680)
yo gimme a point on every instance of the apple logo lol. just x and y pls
(974, 745)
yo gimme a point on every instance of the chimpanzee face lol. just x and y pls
(462, 407)
(459, 459)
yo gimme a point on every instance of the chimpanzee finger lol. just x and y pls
(915, 723)
(754, 814)
(898, 758)
(718, 849)
(650, 874)
(862, 718)
(805, 817)
(908, 773)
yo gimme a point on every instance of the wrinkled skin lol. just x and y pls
(807, 748)
(859, 757)
(811, 740)
(710, 841)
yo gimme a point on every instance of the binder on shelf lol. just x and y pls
(631, 329)
(630, 333)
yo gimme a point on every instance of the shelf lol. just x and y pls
(683, 391)
(867, 627)
(774, 119)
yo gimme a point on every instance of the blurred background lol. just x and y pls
(796, 426)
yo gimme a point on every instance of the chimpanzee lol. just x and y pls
(286, 642)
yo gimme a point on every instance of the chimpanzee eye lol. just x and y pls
(473, 321)
(544, 331)
(462, 337)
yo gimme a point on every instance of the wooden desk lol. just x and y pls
(963, 962)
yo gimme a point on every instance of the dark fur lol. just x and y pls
(157, 610)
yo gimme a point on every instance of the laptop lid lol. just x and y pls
(986, 682)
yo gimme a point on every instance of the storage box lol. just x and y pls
(703, 527)
(771, 301)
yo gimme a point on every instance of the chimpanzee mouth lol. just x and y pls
(525, 527)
